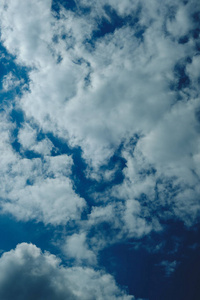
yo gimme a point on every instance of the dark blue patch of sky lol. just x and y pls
(137, 264)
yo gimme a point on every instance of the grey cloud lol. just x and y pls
(27, 273)
(169, 266)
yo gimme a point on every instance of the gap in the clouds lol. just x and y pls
(131, 268)
(196, 18)
(138, 263)
(71, 5)
(68, 5)
(140, 32)
(183, 39)
(14, 232)
(197, 115)
(7, 65)
(45, 236)
(196, 33)
(83, 184)
(106, 230)
(181, 79)
(106, 23)
(116, 164)
(198, 46)
(186, 253)
(111, 21)
(17, 117)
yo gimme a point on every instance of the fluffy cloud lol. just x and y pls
(76, 247)
(36, 189)
(51, 201)
(182, 21)
(31, 21)
(27, 137)
(127, 79)
(27, 273)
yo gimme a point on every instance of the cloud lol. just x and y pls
(76, 247)
(36, 189)
(127, 78)
(10, 81)
(135, 223)
(123, 8)
(30, 28)
(169, 267)
(27, 273)
(181, 23)
(119, 67)
(51, 201)
(27, 137)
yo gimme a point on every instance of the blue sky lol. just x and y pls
(100, 149)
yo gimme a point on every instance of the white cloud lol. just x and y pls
(36, 189)
(136, 224)
(27, 137)
(101, 214)
(175, 138)
(128, 79)
(51, 201)
(123, 8)
(173, 148)
(7, 154)
(76, 247)
(27, 273)
(181, 23)
(31, 23)
(10, 81)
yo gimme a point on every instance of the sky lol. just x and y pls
(100, 150)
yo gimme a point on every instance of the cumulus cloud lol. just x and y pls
(23, 41)
(51, 201)
(36, 189)
(76, 247)
(119, 68)
(27, 137)
(27, 273)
